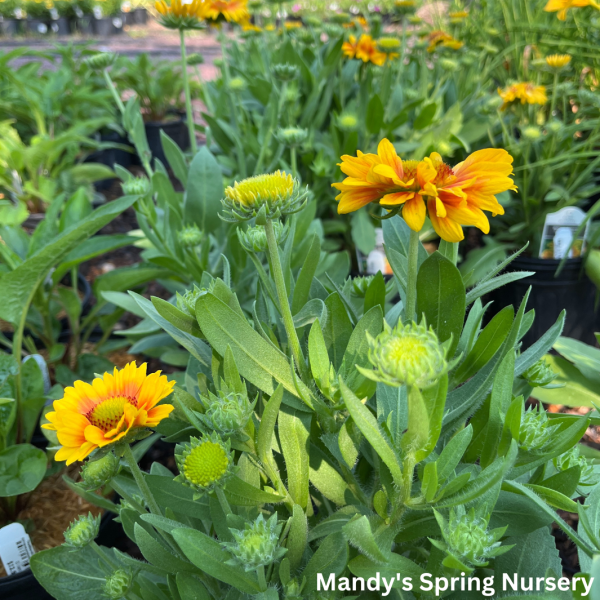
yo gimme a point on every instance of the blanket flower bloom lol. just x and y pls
(453, 196)
(179, 15)
(91, 416)
(558, 61)
(232, 11)
(563, 6)
(364, 49)
(524, 92)
(441, 38)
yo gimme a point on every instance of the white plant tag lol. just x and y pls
(15, 548)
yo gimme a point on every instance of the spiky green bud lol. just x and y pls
(189, 237)
(536, 430)
(237, 84)
(540, 374)
(448, 64)
(572, 458)
(254, 239)
(291, 136)
(195, 59)
(97, 473)
(82, 531)
(117, 584)
(531, 133)
(285, 71)
(101, 61)
(348, 121)
(136, 186)
(406, 355)
(467, 540)
(204, 464)
(187, 302)
(227, 413)
(257, 545)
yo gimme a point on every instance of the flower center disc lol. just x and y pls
(206, 463)
(108, 413)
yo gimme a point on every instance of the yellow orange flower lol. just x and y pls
(248, 26)
(558, 61)
(441, 38)
(451, 196)
(96, 415)
(459, 14)
(364, 49)
(293, 24)
(526, 93)
(562, 6)
(362, 22)
(179, 15)
(232, 11)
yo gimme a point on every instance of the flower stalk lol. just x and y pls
(411, 284)
(188, 97)
(138, 476)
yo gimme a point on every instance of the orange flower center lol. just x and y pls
(107, 414)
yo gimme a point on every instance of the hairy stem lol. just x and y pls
(188, 96)
(411, 284)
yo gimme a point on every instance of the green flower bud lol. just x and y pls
(218, 62)
(340, 18)
(292, 136)
(348, 121)
(187, 302)
(204, 464)
(360, 285)
(536, 430)
(254, 239)
(190, 237)
(405, 7)
(271, 196)
(117, 584)
(136, 186)
(411, 93)
(228, 413)
(444, 147)
(237, 84)
(82, 531)
(312, 21)
(195, 59)
(333, 30)
(531, 133)
(415, 20)
(389, 45)
(257, 545)
(285, 71)
(293, 591)
(554, 126)
(97, 473)
(448, 64)
(467, 538)
(101, 61)
(571, 458)
(540, 374)
(305, 36)
(408, 354)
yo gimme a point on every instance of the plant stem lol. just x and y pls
(554, 89)
(294, 162)
(188, 96)
(262, 581)
(113, 90)
(411, 284)
(141, 482)
(223, 501)
(284, 305)
(103, 557)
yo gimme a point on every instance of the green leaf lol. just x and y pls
(330, 558)
(267, 425)
(240, 493)
(363, 232)
(294, 433)
(326, 478)
(361, 566)
(441, 298)
(306, 276)
(22, 468)
(18, 286)
(176, 317)
(589, 528)
(177, 496)
(359, 534)
(297, 538)
(337, 330)
(175, 158)
(157, 554)
(207, 554)
(202, 200)
(488, 343)
(191, 588)
(425, 117)
(69, 574)
(519, 513)
(554, 498)
(453, 452)
(367, 423)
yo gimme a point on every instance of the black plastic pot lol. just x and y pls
(60, 26)
(110, 157)
(571, 290)
(140, 16)
(83, 25)
(107, 26)
(175, 129)
(24, 586)
(8, 27)
(37, 26)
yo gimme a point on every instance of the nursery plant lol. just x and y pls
(24, 384)
(334, 433)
